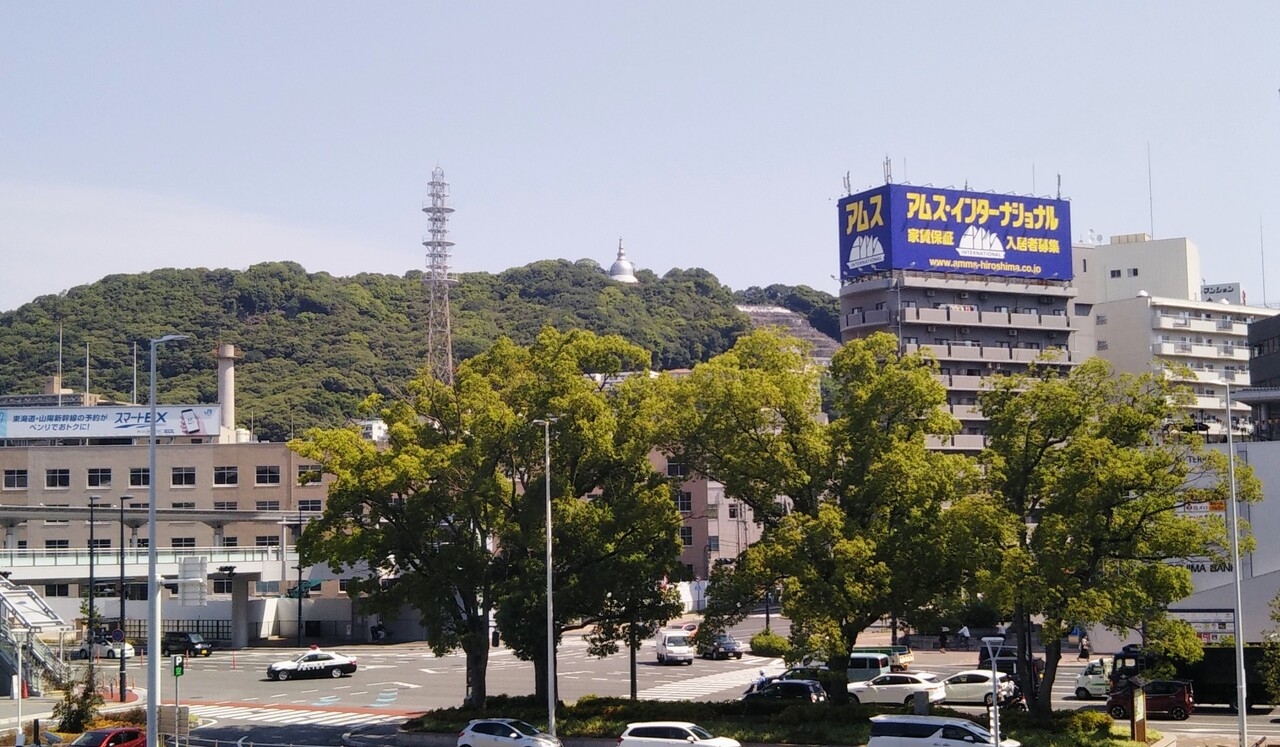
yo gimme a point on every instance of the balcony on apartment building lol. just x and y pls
(1201, 375)
(964, 314)
(1201, 350)
(971, 442)
(1182, 323)
(963, 350)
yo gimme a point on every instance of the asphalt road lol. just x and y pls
(238, 704)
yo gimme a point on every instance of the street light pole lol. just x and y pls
(93, 634)
(153, 586)
(992, 642)
(1233, 518)
(123, 648)
(296, 540)
(551, 640)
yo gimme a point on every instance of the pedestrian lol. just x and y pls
(1084, 647)
(942, 642)
(964, 636)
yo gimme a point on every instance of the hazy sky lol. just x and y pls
(135, 136)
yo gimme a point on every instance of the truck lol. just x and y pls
(900, 657)
(1213, 677)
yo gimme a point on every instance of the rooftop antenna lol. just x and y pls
(1151, 198)
(439, 331)
(1033, 178)
(59, 363)
(1059, 186)
(848, 190)
(888, 171)
(1262, 256)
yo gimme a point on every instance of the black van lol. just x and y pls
(190, 644)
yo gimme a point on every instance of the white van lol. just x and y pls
(674, 646)
(929, 731)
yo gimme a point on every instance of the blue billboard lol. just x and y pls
(900, 227)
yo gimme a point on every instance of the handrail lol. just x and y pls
(138, 555)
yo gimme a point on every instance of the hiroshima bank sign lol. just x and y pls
(108, 422)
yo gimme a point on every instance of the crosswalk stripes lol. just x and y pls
(290, 716)
(709, 684)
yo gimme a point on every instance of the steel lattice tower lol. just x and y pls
(439, 330)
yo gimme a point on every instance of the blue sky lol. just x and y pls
(135, 136)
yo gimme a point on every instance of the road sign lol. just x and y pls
(117, 635)
(177, 665)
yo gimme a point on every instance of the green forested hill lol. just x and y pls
(314, 345)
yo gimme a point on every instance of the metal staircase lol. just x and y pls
(23, 616)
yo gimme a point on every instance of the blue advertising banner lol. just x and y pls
(946, 230)
(109, 421)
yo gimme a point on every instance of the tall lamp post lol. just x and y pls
(153, 586)
(551, 641)
(122, 595)
(993, 643)
(93, 633)
(1233, 517)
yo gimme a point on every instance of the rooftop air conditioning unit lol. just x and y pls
(1013, 333)
(931, 292)
(964, 294)
(932, 328)
(964, 330)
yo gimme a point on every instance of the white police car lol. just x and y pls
(313, 663)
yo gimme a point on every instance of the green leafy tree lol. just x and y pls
(615, 525)
(1086, 471)
(450, 517)
(867, 535)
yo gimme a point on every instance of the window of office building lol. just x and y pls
(99, 477)
(100, 543)
(268, 505)
(230, 541)
(226, 506)
(222, 586)
(184, 504)
(686, 536)
(713, 543)
(1115, 273)
(57, 478)
(267, 588)
(676, 469)
(183, 542)
(684, 501)
(733, 510)
(1133, 272)
(57, 544)
(313, 504)
(183, 477)
(267, 475)
(57, 590)
(308, 474)
(226, 475)
(15, 479)
(139, 477)
(342, 585)
(142, 543)
(266, 540)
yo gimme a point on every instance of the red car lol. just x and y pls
(124, 736)
(1170, 697)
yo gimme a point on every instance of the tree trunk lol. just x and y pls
(540, 678)
(476, 646)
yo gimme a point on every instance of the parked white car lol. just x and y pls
(104, 648)
(671, 734)
(974, 686)
(930, 731)
(504, 732)
(898, 687)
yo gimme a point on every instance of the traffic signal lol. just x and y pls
(178, 662)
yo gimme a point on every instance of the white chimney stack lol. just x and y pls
(226, 355)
